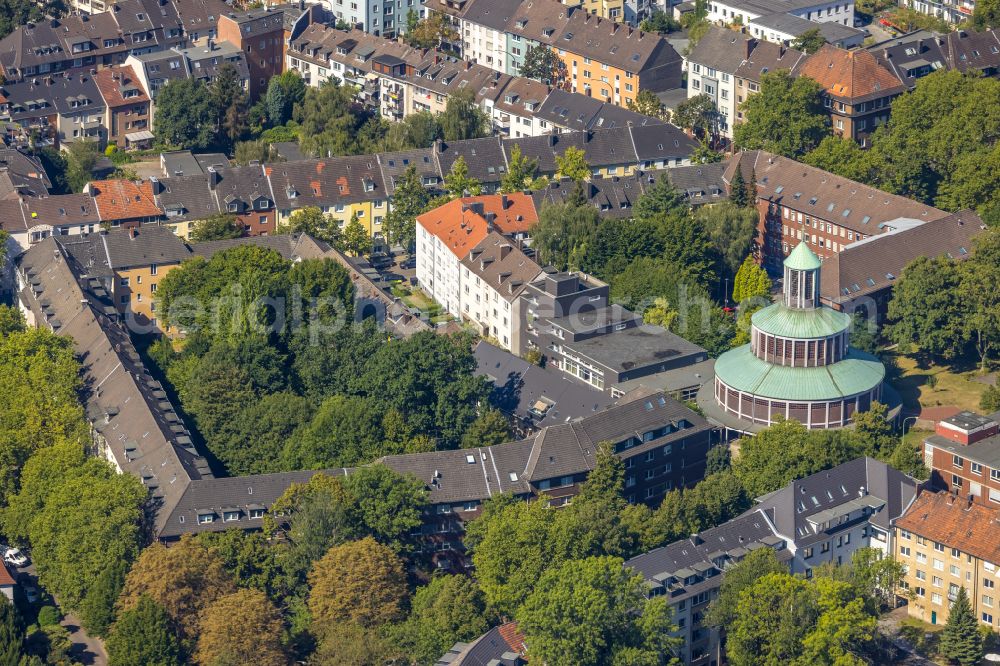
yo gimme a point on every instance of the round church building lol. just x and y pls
(799, 363)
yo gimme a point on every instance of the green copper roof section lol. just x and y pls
(857, 373)
(802, 258)
(781, 320)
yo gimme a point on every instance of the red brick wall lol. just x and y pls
(944, 473)
(255, 226)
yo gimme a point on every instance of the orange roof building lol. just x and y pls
(121, 201)
(947, 542)
(858, 88)
(447, 234)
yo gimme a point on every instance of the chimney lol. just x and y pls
(503, 202)
(155, 184)
(490, 217)
(552, 140)
(505, 249)
(213, 178)
(133, 232)
(468, 65)
(587, 136)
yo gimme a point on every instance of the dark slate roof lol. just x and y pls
(451, 476)
(395, 164)
(500, 646)
(22, 175)
(887, 490)
(613, 197)
(971, 50)
(710, 550)
(150, 244)
(179, 163)
(702, 183)
(237, 494)
(123, 402)
(245, 184)
(186, 197)
(62, 209)
(769, 57)
(206, 62)
(661, 142)
(912, 55)
(283, 244)
(722, 49)
(519, 386)
(569, 110)
(637, 347)
(877, 262)
(485, 157)
(495, 14)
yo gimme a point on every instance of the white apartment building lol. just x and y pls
(493, 275)
(743, 12)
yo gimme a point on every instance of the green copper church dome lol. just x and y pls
(785, 322)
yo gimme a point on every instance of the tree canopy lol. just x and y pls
(786, 117)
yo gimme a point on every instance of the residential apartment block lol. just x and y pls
(858, 90)
(128, 117)
(729, 12)
(604, 59)
(798, 203)
(861, 276)
(963, 455)
(947, 542)
(260, 35)
(83, 42)
(448, 234)
(822, 518)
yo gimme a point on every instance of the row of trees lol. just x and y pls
(949, 310)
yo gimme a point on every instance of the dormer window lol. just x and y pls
(233, 207)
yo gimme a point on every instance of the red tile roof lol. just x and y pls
(5, 577)
(112, 80)
(850, 74)
(121, 199)
(461, 224)
(515, 639)
(972, 528)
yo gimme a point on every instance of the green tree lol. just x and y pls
(264, 426)
(97, 610)
(284, 91)
(142, 637)
(741, 576)
(489, 428)
(587, 611)
(417, 130)
(329, 121)
(787, 451)
(458, 183)
(660, 22)
(700, 115)
(462, 118)
(786, 117)
(81, 158)
(359, 581)
(186, 114)
(738, 190)
(648, 104)
(388, 504)
(355, 239)
(703, 154)
(810, 41)
(311, 220)
(521, 172)
(248, 152)
(990, 400)
(241, 628)
(876, 577)
(409, 200)
(565, 234)
(511, 549)
(346, 430)
(842, 156)
(230, 100)
(960, 639)
(250, 559)
(731, 230)
(980, 300)
(182, 580)
(446, 610)
(662, 198)
(751, 282)
(216, 227)
(986, 15)
(924, 311)
(542, 64)
(11, 636)
(573, 164)
(430, 32)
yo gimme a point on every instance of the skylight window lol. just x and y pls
(471, 459)
(812, 201)
(779, 189)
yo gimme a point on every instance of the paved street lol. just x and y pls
(87, 650)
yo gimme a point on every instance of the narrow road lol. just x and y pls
(87, 649)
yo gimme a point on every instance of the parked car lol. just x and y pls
(409, 263)
(15, 557)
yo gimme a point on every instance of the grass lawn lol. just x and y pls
(414, 297)
(953, 387)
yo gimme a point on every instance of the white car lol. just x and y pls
(15, 557)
